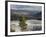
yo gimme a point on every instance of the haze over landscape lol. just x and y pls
(29, 11)
(33, 14)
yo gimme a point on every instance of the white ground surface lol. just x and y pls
(30, 25)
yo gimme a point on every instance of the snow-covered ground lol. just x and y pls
(30, 25)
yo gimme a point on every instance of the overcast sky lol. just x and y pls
(25, 7)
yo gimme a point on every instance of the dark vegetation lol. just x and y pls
(33, 15)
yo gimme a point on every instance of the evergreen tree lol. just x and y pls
(22, 23)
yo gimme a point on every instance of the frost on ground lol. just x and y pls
(32, 25)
